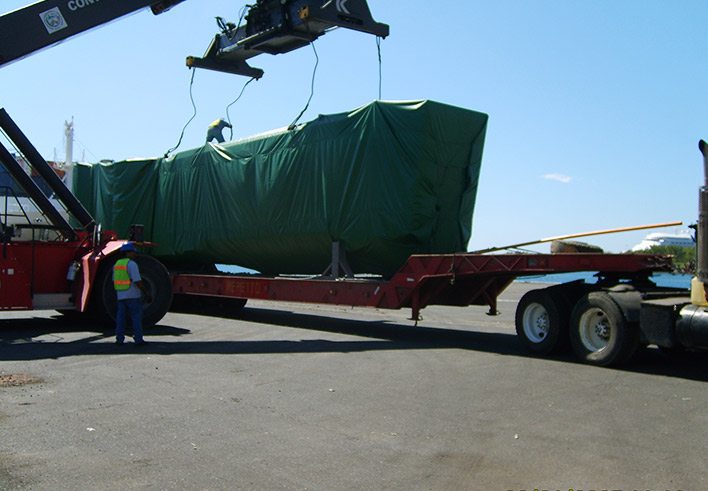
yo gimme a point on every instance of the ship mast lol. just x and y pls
(69, 154)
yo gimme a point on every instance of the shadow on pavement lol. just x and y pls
(51, 338)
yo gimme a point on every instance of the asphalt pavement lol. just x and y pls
(295, 397)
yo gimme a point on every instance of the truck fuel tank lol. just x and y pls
(692, 327)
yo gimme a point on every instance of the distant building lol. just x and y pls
(684, 239)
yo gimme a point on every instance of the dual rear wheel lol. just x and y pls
(542, 322)
(548, 321)
(600, 334)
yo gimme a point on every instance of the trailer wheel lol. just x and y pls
(599, 333)
(542, 322)
(156, 279)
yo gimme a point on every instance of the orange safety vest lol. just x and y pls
(121, 278)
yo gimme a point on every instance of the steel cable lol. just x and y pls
(312, 88)
(378, 48)
(228, 117)
(194, 114)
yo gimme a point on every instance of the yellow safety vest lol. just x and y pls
(121, 278)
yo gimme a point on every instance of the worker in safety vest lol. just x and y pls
(129, 288)
(214, 131)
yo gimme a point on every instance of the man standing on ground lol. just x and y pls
(129, 285)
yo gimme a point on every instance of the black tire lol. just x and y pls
(542, 322)
(599, 333)
(156, 279)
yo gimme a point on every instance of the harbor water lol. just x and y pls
(667, 280)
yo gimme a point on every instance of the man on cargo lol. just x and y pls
(214, 131)
(129, 285)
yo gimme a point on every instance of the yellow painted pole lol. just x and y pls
(585, 234)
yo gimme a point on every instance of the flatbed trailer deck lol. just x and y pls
(605, 323)
(438, 279)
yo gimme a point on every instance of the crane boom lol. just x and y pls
(43, 24)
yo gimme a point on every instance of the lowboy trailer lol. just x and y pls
(444, 279)
(600, 320)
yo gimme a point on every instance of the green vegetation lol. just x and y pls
(684, 257)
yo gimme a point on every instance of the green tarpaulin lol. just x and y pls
(387, 180)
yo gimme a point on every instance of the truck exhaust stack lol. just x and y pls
(702, 239)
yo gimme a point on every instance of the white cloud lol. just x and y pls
(557, 177)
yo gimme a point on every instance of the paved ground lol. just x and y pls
(288, 396)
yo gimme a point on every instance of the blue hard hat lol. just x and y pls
(128, 246)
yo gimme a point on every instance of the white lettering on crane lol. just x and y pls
(341, 7)
(79, 4)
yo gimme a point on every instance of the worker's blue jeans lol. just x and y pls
(134, 308)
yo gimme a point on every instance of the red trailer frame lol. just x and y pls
(441, 279)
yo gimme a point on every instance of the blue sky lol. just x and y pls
(596, 108)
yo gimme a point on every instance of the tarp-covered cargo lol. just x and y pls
(387, 180)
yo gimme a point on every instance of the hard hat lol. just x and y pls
(128, 246)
